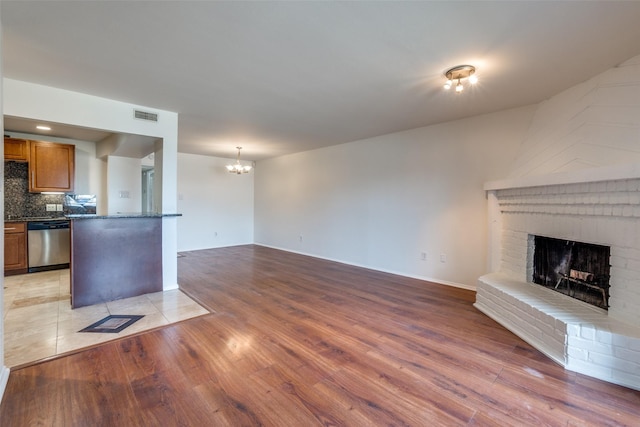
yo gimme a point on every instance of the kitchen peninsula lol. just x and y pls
(115, 256)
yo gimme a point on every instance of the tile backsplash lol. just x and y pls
(18, 202)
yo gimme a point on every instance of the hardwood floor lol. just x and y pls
(297, 341)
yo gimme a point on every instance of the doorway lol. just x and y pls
(147, 189)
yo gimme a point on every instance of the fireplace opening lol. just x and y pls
(579, 270)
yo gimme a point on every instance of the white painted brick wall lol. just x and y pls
(592, 124)
(605, 213)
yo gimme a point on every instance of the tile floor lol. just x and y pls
(39, 322)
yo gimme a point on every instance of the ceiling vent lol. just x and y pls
(145, 115)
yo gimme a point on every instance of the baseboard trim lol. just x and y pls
(170, 287)
(397, 273)
(4, 378)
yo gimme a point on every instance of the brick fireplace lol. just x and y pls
(599, 207)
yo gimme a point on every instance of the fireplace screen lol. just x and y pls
(580, 270)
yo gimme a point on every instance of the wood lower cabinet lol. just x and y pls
(51, 166)
(16, 149)
(15, 248)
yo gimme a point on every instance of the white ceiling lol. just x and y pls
(283, 77)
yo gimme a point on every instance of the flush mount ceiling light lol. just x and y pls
(460, 73)
(237, 168)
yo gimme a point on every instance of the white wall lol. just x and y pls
(381, 202)
(216, 206)
(124, 184)
(596, 123)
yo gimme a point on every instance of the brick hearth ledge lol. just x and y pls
(578, 336)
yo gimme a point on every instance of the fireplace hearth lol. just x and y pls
(577, 269)
(600, 206)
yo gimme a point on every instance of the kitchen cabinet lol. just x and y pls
(51, 166)
(15, 248)
(16, 149)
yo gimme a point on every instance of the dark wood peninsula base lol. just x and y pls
(114, 258)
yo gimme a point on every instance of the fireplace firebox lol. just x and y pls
(577, 269)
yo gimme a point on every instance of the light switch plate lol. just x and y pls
(51, 207)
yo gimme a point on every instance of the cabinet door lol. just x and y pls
(16, 149)
(15, 248)
(51, 167)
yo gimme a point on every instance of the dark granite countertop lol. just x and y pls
(39, 218)
(121, 215)
(92, 216)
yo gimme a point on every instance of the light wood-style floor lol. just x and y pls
(297, 341)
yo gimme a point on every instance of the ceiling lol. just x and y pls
(283, 77)
(122, 144)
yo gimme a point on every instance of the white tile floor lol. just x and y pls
(39, 322)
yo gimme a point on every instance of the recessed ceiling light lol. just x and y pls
(43, 127)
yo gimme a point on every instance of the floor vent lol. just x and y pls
(145, 115)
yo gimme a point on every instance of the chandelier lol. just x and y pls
(459, 73)
(237, 168)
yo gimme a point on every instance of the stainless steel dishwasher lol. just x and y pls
(49, 244)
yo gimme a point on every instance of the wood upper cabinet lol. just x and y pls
(15, 248)
(51, 166)
(16, 149)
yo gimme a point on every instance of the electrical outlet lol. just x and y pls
(51, 207)
(443, 257)
(59, 208)
(423, 256)
(124, 194)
